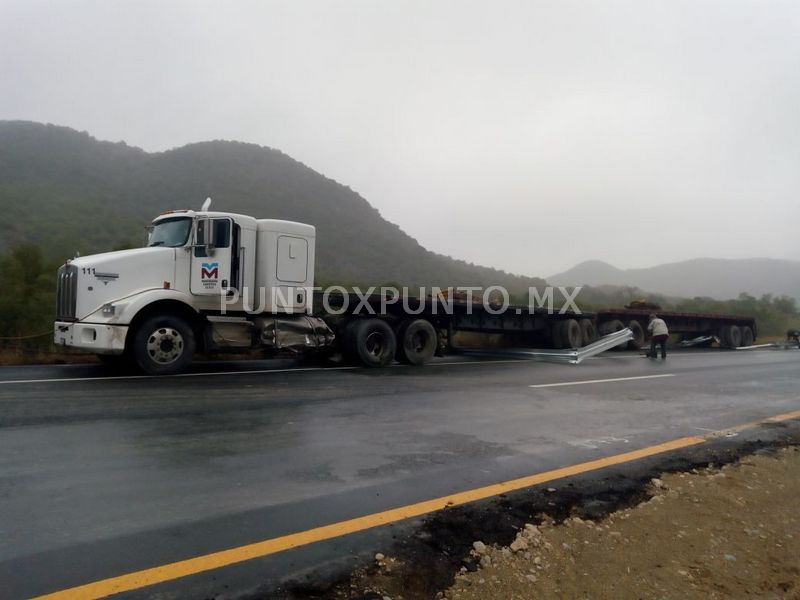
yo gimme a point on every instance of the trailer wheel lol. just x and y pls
(735, 336)
(638, 335)
(731, 336)
(588, 332)
(569, 334)
(372, 342)
(747, 335)
(163, 345)
(416, 342)
(613, 326)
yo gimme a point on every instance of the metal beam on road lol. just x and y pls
(587, 381)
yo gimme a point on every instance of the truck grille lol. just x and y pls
(66, 293)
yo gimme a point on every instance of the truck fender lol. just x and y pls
(128, 308)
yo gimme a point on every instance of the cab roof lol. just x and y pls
(242, 220)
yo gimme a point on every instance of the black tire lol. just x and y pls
(747, 335)
(735, 336)
(163, 345)
(416, 342)
(731, 336)
(613, 326)
(588, 332)
(371, 343)
(638, 335)
(569, 334)
(347, 346)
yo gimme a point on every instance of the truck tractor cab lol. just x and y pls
(200, 281)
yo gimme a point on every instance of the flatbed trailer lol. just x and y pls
(733, 331)
(528, 326)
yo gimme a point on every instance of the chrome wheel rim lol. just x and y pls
(165, 345)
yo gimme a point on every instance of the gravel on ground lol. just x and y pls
(732, 532)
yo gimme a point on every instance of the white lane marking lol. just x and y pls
(257, 372)
(544, 385)
(128, 377)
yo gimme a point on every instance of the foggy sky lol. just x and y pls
(527, 136)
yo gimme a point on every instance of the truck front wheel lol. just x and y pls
(163, 345)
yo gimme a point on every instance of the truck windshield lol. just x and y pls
(170, 232)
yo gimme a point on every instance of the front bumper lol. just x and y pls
(93, 337)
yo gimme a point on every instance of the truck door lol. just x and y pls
(212, 265)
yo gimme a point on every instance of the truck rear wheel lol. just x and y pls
(371, 342)
(416, 342)
(638, 335)
(163, 345)
(731, 336)
(747, 335)
(588, 332)
(569, 334)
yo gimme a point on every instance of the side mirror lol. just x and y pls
(205, 235)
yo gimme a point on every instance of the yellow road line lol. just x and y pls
(216, 560)
(744, 426)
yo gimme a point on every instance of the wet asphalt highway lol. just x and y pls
(102, 476)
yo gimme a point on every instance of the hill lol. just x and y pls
(67, 192)
(712, 277)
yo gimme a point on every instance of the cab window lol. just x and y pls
(171, 233)
(222, 236)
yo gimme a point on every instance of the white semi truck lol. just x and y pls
(155, 306)
(215, 281)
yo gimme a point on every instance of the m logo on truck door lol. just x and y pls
(212, 265)
(209, 271)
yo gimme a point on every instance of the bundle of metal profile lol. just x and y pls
(574, 356)
(703, 339)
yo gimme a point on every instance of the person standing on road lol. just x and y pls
(793, 335)
(658, 335)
